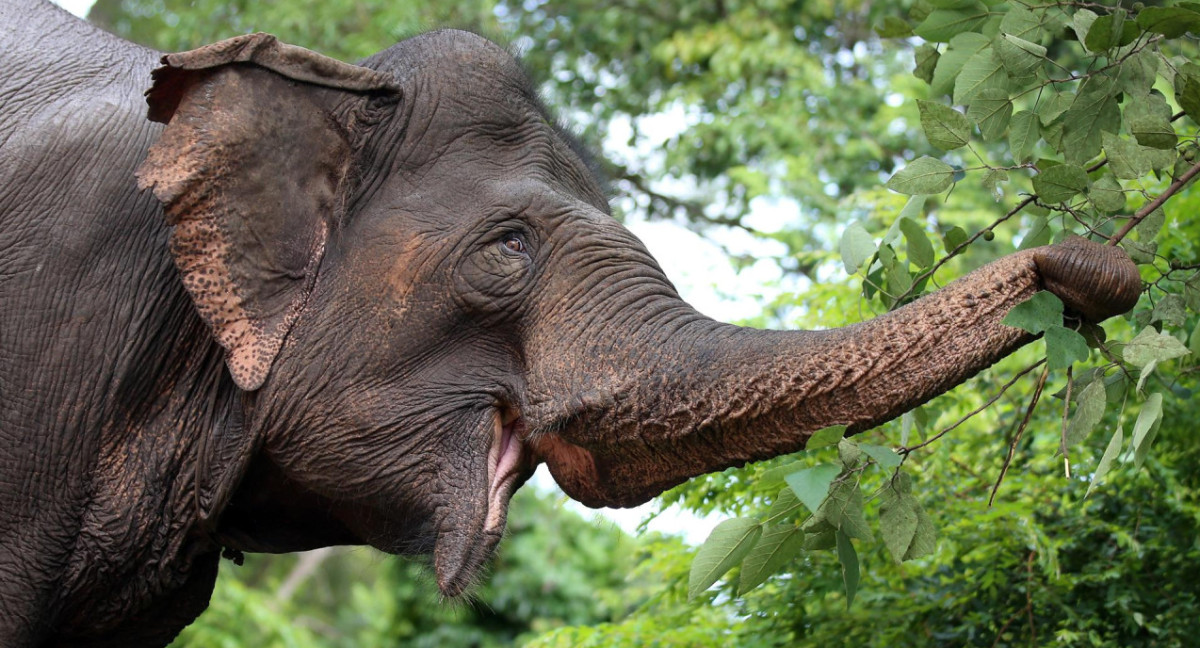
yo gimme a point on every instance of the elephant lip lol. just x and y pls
(505, 466)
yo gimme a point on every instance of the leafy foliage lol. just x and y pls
(554, 569)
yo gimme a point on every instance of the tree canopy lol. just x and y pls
(1053, 498)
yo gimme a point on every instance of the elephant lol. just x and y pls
(256, 299)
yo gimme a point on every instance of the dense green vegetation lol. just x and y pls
(916, 140)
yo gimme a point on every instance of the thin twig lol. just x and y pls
(1000, 633)
(1062, 442)
(1012, 447)
(1149, 208)
(961, 246)
(993, 399)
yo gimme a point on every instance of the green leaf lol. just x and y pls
(778, 545)
(1060, 183)
(1135, 76)
(1187, 90)
(1036, 314)
(1194, 341)
(1159, 159)
(1089, 409)
(907, 421)
(1125, 158)
(1109, 31)
(981, 72)
(1171, 22)
(1149, 120)
(825, 437)
(849, 560)
(1107, 195)
(924, 175)
(1145, 373)
(1093, 112)
(1082, 23)
(1146, 429)
(943, 24)
(1022, 23)
(924, 541)
(843, 509)
(1149, 226)
(944, 127)
(857, 246)
(1054, 106)
(992, 180)
(1191, 292)
(849, 453)
(1064, 347)
(914, 209)
(1170, 311)
(893, 27)
(1019, 56)
(954, 237)
(925, 59)
(920, 251)
(1141, 253)
(950, 64)
(725, 547)
(1152, 346)
(1110, 455)
(818, 535)
(885, 457)
(786, 503)
(991, 109)
(901, 520)
(1023, 135)
(811, 485)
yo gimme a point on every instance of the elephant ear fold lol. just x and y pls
(252, 169)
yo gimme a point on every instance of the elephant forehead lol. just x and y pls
(460, 61)
(469, 103)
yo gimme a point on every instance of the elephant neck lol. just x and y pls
(141, 545)
(270, 513)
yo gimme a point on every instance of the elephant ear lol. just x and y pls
(252, 169)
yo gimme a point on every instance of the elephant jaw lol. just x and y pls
(470, 536)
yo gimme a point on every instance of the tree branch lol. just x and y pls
(1149, 207)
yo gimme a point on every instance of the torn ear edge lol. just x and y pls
(172, 79)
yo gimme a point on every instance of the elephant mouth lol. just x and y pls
(506, 466)
(461, 550)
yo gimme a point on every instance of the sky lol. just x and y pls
(77, 7)
(701, 272)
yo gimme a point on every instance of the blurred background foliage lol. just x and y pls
(767, 126)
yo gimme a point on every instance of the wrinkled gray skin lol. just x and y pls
(351, 306)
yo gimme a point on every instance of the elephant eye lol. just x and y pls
(513, 243)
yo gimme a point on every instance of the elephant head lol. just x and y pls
(422, 295)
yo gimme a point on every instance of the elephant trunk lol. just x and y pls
(709, 395)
